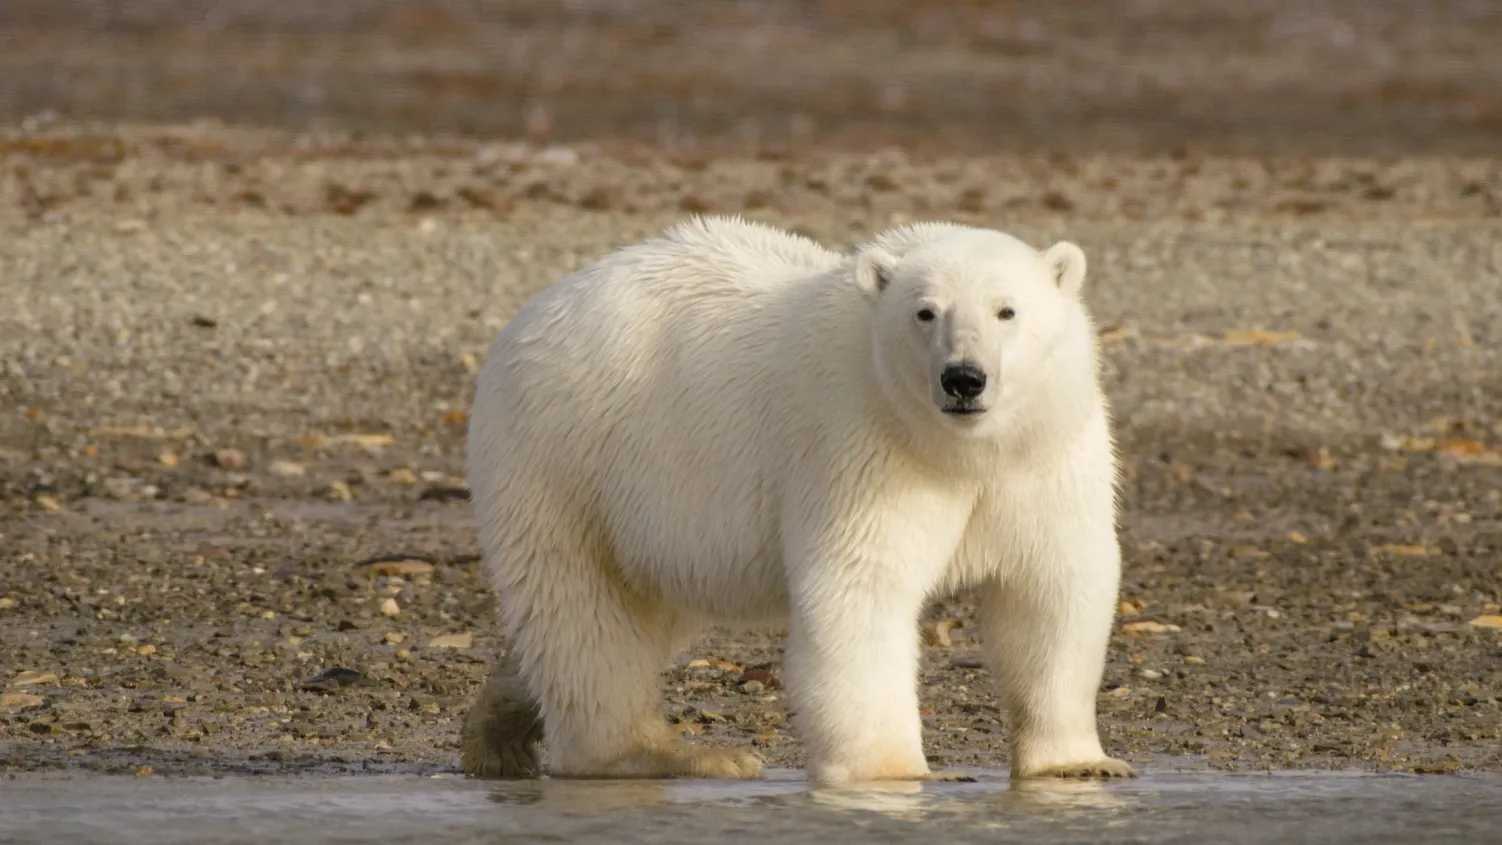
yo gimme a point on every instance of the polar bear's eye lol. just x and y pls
(926, 315)
(1006, 313)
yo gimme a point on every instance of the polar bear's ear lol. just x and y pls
(874, 267)
(1067, 263)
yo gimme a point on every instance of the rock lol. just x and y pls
(47, 503)
(389, 607)
(752, 687)
(338, 491)
(120, 488)
(394, 638)
(1127, 610)
(1150, 674)
(230, 459)
(761, 676)
(400, 566)
(33, 677)
(937, 634)
(465, 640)
(333, 678)
(145, 650)
(6, 603)
(286, 469)
(403, 476)
(20, 700)
(1192, 659)
(1135, 628)
(197, 496)
(1492, 621)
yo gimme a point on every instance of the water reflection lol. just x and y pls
(905, 800)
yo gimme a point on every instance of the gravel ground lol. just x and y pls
(235, 367)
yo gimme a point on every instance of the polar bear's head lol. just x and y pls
(968, 322)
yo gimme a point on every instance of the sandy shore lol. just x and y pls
(235, 366)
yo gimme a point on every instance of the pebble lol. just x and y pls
(47, 503)
(389, 607)
(286, 469)
(1127, 609)
(230, 459)
(937, 634)
(1487, 621)
(333, 678)
(1150, 674)
(465, 640)
(752, 687)
(6, 603)
(1134, 628)
(395, 638)
(197, 496)
(338, 491)
(400, 566)
(403, 476)
(21, 700)
(32, 677)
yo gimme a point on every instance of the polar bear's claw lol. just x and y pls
(1107, 767)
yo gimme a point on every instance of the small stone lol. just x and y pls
(1127, 609)
(197, 496)
(1193, 660)
(752, 687)
(762, 676)
(20, 700)
(47, 503)
(403, 476)
(338, 491)
(332, 679)
(145, 650)
(230, 459)
(1487, 621)
(1150, 674)
(389, 607)
(394, 638)
(452, 641)
(6, 603)
(33, 677)
(286, 469)
(1135, 628)
(120, 488)
(711, 717)
(937, 634)
(167, 459)
(402, 566)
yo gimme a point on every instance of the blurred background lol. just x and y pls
(1295, 76)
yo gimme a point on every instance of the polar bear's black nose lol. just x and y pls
(963, 381)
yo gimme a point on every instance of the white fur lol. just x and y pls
(729, 424)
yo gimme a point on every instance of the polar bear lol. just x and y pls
(730, 424)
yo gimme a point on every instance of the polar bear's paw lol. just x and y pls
(950, 777)
(678, 758)
(1106, 767)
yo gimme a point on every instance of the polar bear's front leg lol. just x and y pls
(851, 671)
(1046, 627)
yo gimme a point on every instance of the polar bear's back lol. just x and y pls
(657, 384)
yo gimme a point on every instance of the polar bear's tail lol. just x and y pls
(502, 728)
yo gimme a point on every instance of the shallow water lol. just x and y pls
(1169, 808)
